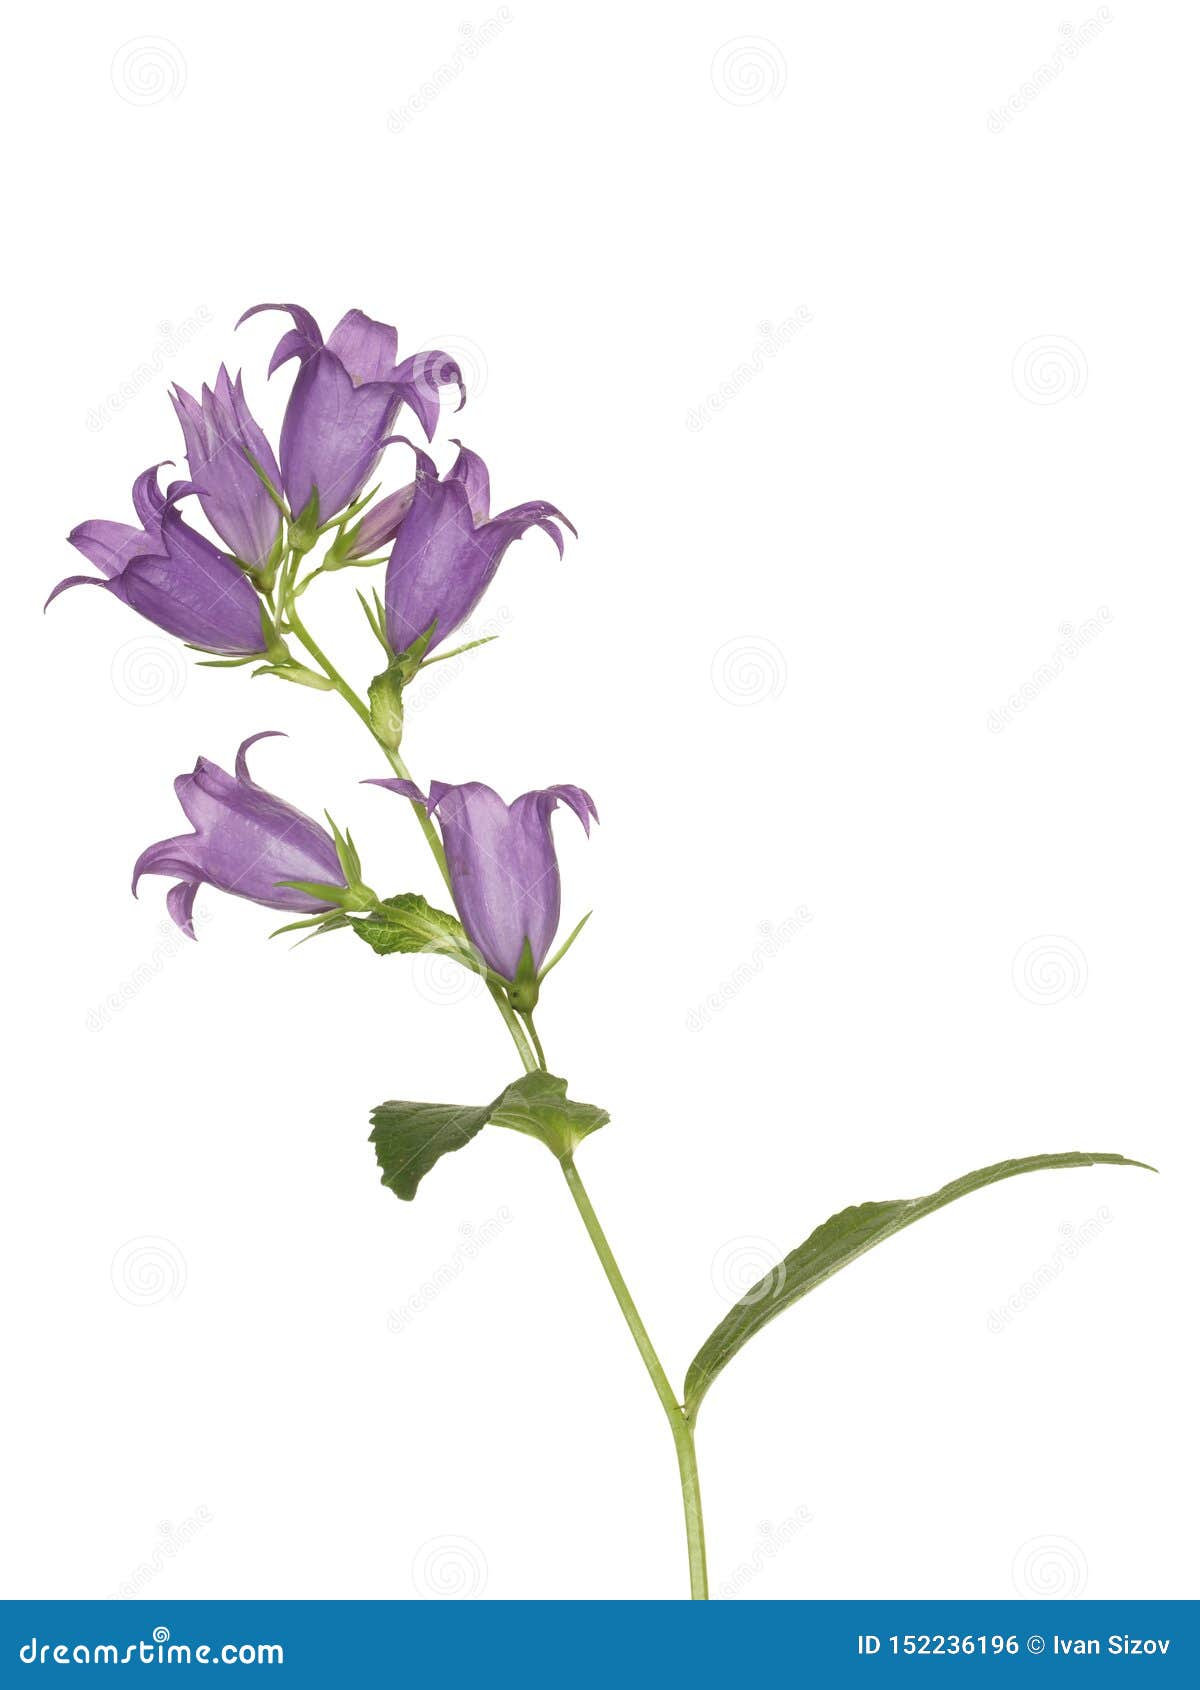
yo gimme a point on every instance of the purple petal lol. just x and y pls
(366, 348)
(179, 905)
(422, 378)
(470, 469)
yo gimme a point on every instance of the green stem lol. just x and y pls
(527, 1017)
(682, 1430)
(517, 1033)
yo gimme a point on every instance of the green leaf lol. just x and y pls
(538, 1104)
(408, 923)
(843, 1237)
(410, 1137)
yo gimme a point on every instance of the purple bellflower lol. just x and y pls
(245, 842)
(170, 574)
(448, 548)
(347, 393)
(219, 431)
(502, 863)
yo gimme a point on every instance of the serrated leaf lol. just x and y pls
(410, 1137)
(538, 1104)
(407, 923)
(836, 1243)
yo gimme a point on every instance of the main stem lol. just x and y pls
(682, 1430)
(532, 1057)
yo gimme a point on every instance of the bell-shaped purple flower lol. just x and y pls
(347, 393)
(448, 548)
(245, 842)
(219, 431)
(502, 863)
(170, 574)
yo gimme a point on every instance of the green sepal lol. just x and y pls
(276, 495)
(346, 898)
(562, 950)
(410, 1137)
(386, 692)
(406, 923)
(330, 922)
(303, 532)
(839, 1241)
(537, 1104)
(297, 673)
(377, 619)
(523, 993)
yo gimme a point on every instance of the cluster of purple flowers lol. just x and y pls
(269, 509)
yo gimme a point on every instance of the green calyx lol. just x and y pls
(385, 695)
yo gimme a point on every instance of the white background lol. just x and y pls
(805, 583)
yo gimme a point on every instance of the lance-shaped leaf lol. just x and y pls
(408, 923)
(843, 1237)
(410, 1137)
